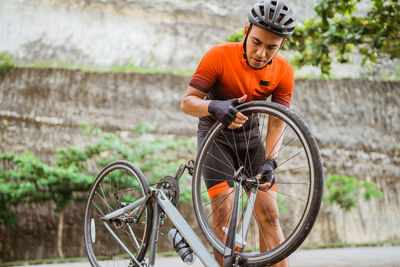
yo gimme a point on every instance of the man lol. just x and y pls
(233, 73)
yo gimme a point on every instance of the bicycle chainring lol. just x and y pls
(171, 188)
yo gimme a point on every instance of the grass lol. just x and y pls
(187, 72)
(346, 245)
(392, 77)
(127, 67)
(130, 67)
(6, 62)
(42, 64)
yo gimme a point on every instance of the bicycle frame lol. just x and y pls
(163, 206)
(176, 218)
(183, 227)
(299, 197)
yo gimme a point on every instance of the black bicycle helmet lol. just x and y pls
(273, 16)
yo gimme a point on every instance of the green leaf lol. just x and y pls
(336, 32)
(34, 181)
(344, 191)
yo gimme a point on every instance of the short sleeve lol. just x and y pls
(283, 92)
(208, 70)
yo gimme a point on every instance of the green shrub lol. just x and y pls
(6, 62)
(69, 179)
(344, 191)
(337, 31)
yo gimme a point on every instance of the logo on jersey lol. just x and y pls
(265, 83)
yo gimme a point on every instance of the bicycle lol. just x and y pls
(123, 205)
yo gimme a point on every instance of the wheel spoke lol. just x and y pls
(216, 170)
(116, 187)
(297, 176)
(295, 155)
(292, 169)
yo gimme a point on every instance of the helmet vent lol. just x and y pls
(288, 22)
(262, 11)
(271, 14)
(280, 18)
(253, 12)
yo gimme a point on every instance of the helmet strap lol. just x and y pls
(245, 40)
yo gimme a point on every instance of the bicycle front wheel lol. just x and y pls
(276, 228)
(123, 239)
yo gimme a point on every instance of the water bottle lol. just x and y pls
(181, 246)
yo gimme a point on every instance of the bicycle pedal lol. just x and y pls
(133, 264)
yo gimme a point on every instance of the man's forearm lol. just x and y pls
(194, 106)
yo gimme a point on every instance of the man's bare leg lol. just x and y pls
(221, 205)
(267, 216)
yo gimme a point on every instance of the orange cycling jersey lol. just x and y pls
(224, 74)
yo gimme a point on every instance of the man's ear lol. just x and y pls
(246, 29)
(283, 41)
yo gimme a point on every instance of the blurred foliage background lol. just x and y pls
(336, 32)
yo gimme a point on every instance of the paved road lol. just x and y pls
(387, 256)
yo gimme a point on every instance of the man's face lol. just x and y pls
(261, 46)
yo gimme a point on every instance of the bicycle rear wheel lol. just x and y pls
(299, 181)
(118, 185)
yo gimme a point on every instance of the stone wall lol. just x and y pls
(166, 34)
(169, 34)
(355, 122)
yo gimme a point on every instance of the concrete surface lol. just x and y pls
(388, 256)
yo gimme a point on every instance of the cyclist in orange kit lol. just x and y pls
(230, 74)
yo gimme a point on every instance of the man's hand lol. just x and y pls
(266, 175)
(226, 112)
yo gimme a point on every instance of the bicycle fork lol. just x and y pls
(232, 238)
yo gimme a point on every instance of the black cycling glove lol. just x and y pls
(267, 172)
(224, 110)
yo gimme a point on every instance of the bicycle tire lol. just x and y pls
(305, 211)
(117, 185)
